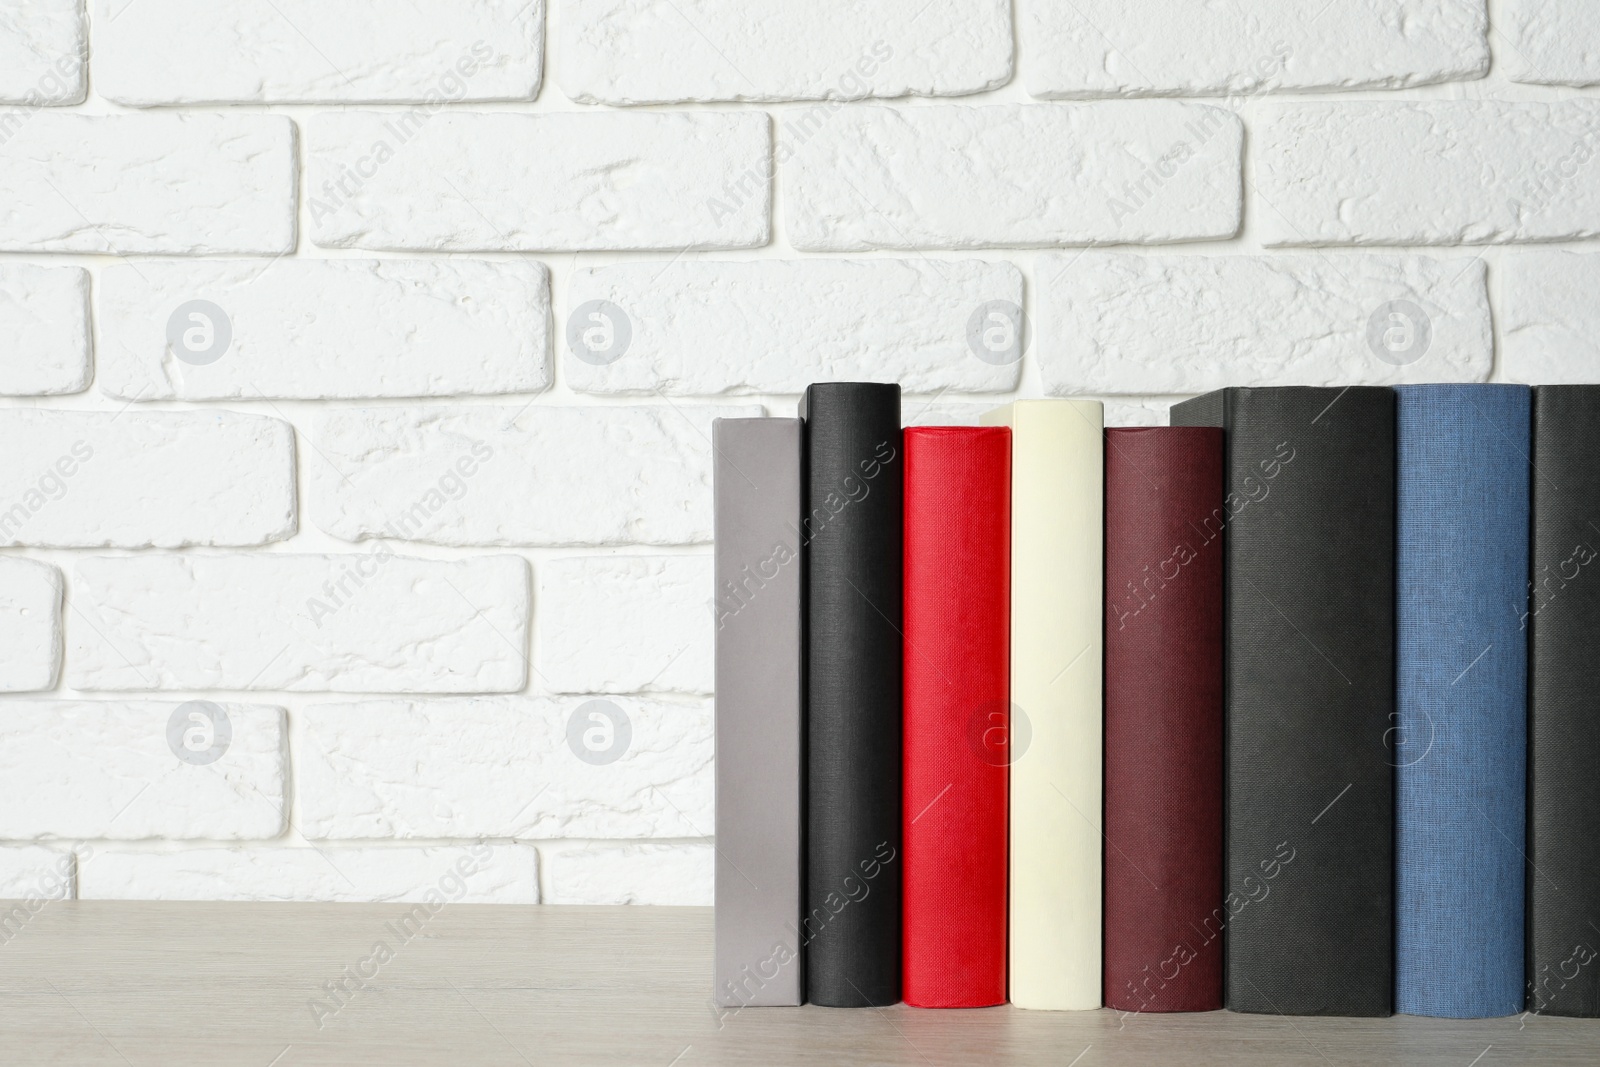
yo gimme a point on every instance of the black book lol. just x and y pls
(1563, 948)
(1308, 525)
(851, 529)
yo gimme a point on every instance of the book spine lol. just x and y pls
(759, 741)
(1163, 695)
(1057, 636)
(1308, 889)
(956, 714)
(1461, 698)
(1563, 621)
(852, 530)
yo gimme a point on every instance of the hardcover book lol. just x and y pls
(759, 767)
(1563, 622)
(1163, 694)
(851, 528)
(957, 714)
(1461, 672)
(1057, 635)
(1308, 530)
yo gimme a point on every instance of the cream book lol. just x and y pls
(1057, 480)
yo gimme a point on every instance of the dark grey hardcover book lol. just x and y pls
(853, 526)
(1563, 615)
(1308, 523)
(759, 712)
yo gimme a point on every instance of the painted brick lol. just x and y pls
(1119, 411)
(42, 47)
(1092, 48)
(1434, 173)
(654, 873)
(44, 317)
(30, 625)
(122, 771)
(1009, 176)
(438, 875)
(35, 874)
(435, 52)
(368, 622)
(192, 184)
(1549, 319)
(1550, 42)
(463, 181)
(86, 479)
(539, 475)
(612, 51)
(504, 767)
(625, 624)
(1189, 324)
(316, 329)
(705, 328)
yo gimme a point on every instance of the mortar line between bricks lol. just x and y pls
(110, 245)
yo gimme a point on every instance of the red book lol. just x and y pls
(1163, 706)
(956, 712)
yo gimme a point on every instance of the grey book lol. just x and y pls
(759, 721)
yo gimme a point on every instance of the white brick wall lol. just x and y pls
(159, 52)
(44, 317)
(1005, 176)
(625, 624)
(376, 355)
(707, 328)
(30, 625)
(439, 182)
(1553, 43)
(610, 50)
(1089, 48)
(1373, 173)
(42, 45)
(186, 184)
(314, 329)
(505, 768)
(76, 769)
(133, 479)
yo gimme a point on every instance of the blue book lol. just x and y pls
(1460, 743)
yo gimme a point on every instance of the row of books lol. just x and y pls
(1291, 707)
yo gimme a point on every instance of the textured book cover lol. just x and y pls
(1563, 622)
(1307, 916)
(759, 784)
(1461, 673)
(957, 712)
(1057, 634)
(1163, 697)
(851, 526)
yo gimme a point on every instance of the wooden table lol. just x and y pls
(189, 985)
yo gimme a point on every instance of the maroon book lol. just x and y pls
(1164, 910)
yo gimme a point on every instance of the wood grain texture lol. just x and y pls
(227, 985)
